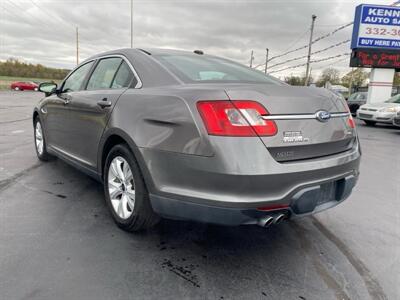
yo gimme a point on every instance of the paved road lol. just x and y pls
(57, 239)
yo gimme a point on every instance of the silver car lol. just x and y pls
(189, 136)
(396, 120)
(372, 113)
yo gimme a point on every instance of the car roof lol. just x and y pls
(148, 51)
(149, 71)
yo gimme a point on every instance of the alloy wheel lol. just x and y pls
(39, 138)
(121, 187)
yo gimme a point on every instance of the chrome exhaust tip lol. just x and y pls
(278, 219)
(265, 222)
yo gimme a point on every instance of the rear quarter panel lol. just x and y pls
(164, 119)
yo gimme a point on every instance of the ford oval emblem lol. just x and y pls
(322, 116)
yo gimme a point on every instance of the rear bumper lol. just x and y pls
(227, 188)
(304, 202)
(381, 117)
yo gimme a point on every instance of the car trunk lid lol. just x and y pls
(300, 134)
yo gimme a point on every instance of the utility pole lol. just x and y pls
(131, 23)
(77, 46)
(251, 59)
(266, 60)
(351, 82)
(313, 17)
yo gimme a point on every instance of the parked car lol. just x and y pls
(396, 119)
(24, 85)
(356, 100)
(384, 112)
(191, 136)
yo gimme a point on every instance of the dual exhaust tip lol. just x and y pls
(269, 220)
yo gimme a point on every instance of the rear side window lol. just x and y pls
(103, 75)
(124, 77)
(75, 80)
(199, 68)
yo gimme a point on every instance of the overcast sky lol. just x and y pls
(43, 31)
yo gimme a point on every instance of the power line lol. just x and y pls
(49, 13)
(332, 46)
(334, 62)
(296, 41)
(27, 13)
(286, 53)
(312, 62)
(332, 32)
(315, 52)
(330, 57)
(313, 42)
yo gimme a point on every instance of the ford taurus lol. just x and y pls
(190, 136)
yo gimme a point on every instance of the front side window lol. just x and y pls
(123, 78)
(75, 80)
(103, 75)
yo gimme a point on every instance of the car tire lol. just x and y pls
(125, 191)
(40, 141)
(370, 123)
(35, 89)
(16, 88)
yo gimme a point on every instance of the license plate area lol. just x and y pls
(327, 193)
(365, 116)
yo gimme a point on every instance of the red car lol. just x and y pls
(21, 85)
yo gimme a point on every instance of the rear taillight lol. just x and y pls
(350, 121)
(235, 118)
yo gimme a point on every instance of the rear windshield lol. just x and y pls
(199, 68)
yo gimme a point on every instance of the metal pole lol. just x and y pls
(266, 60)
(351, 82)
(77, 46)
(313, 17)
(131, 23)
(251, 59)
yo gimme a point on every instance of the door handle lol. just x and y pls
(66, 99)
(104, 103)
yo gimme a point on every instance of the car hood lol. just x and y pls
(380, 105)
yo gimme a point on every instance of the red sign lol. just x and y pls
(373, 58)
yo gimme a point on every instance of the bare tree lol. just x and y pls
(330, 75)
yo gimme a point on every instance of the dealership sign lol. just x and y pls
(375, 58)
(376, 26)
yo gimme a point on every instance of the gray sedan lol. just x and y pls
(190, 136)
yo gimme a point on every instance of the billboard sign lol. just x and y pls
(376, 26)
(375, 58)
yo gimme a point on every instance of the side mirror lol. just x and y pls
(48, 88)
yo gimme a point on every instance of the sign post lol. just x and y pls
(376, 44)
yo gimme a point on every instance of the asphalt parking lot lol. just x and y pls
(58, 241)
